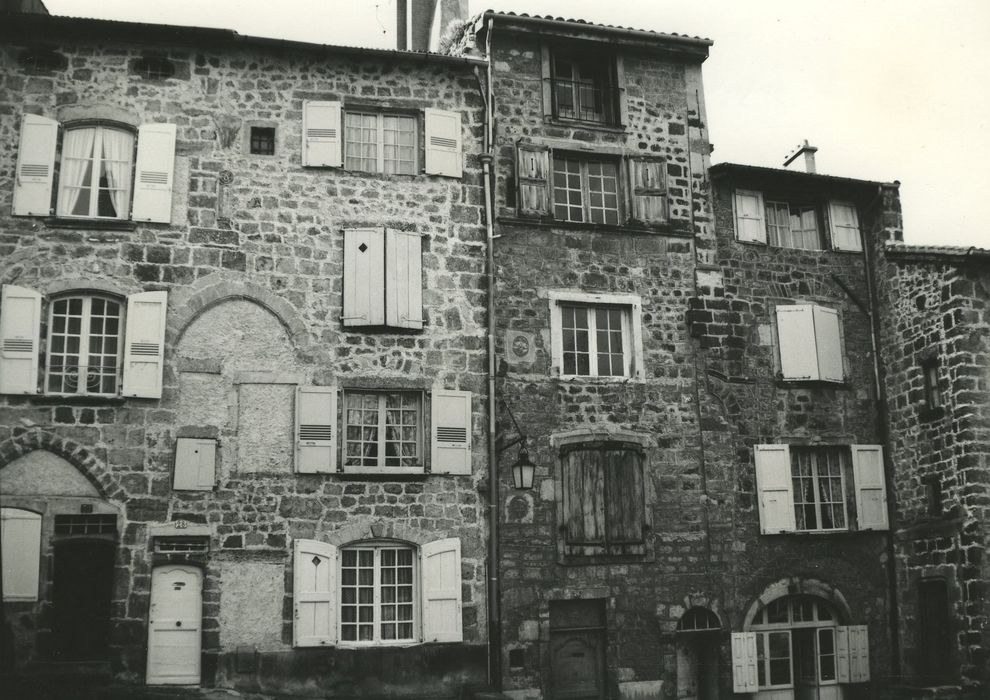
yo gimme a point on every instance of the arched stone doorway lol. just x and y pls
(698, 641)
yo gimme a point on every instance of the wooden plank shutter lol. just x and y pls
(750, 216)
(20, 330)
(443, 143)
(314, 581)
(144, 344)
(316, 434)
(364, 277)
(842, 654)
(648, 179)
(20, 544)
(859, 654)
(773, 482)
(844, 226)
(624, 502)
(35, 170)
(584, 497)
(321, 134)
(450, 420)
(871, 491)
(441, 579)
(154, 173)
(828, 343)
(744, 660)
(403, 279)
(796, 342)
(195, 464)
(533, 179)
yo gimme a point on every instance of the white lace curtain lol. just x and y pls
(117, 149)
(77, 157)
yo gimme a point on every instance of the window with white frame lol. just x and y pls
(596, 335)
(809, 342)
(818, 477)
(95, 175)
(793, 225)
(789, 222)
(377, 594)
(84, 348)
(383, 429)
(380, 143)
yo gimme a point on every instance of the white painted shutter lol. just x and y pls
(443, 143)
(828, 342)
(871, 492)
(533, 179)
(321, 134)
(648, 180)
(750, 216)
(859, 654)
(316, 434)
(450, 420)
(844, 226)
(842, 654)
(154, 173)
(20, 329)
(442, 591)
(144, 344)
(314, 575)
(796, 341)
(35, 166)
(773, 483)
(195, 464)
(20, 542)
(364, 277)
(744, 660)
(403, 279)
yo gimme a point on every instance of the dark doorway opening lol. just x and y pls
(577, 649)
(82, 587)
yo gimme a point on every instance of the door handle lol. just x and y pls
(178, 623)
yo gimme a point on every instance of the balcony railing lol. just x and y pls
(585, 101)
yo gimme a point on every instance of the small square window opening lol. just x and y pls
(263, 140)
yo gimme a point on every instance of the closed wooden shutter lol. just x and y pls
(744, 660)
(144, 344)
(441, 577)
(314, 569)
(443, 143)
(584, 498)
(773, 483)
(403, 279)
(533, 179)
(450, 422)
(648, 180)
(624, 503)
(364, 277)
(844, 226)
(842, 654)
(321, 134)
(20, 329)
(20, 550)
(154, 173)
(828, 343)
(796, 342)
(35, 169)
(750, 216)
(316, 429)
(871, 491)
(195, 464)
(859, 654)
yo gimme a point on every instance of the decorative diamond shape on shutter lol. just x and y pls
(316, 561)
(363, 247)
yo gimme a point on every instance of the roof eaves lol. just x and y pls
(897, 250)
(722, 169)
(566, 23)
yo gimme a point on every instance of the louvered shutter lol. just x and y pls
(442, 591)
(364, 277)
(773, 483)
(744, 660)
(195, 464)
(828, 343)
(844, 226)
(796, 342)
(443, 143)
(859, 654)
(20, 329)
(649, 189)
(450, 420)
(321, 134)
(533, 179)
(314, 577)
(144, 344)
(871, 492)
(154, 173)
(750, 216)
(316, 434)
(403, 279)
(624, 503)
(842, 654)
(35, 166)
(20, 549)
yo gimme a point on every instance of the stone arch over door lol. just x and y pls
(798, 586)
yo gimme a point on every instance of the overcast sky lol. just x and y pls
(887, 89)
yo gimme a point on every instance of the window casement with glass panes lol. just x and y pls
(803, 489)
(595, 335)
(95, 345)
(376, 593)
(586, 190)
(383, 430)
(786, 222)
(581, 86)
(380, 143)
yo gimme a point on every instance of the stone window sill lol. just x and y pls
(78, 400)
(630, 228)
(378, 476)
(811, 384)
(578, 124)
(91, 224)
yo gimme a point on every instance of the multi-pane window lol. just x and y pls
(582, 89)
(594, 340)
(84, 345)
(793, 226)
(377, 594)
(795, 643)
(95, 175)
(380, 143)
(383, 429)
(585, 190)
(818, 487)
(263, 140)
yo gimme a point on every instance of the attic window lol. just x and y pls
(42, 61)
(154, 68)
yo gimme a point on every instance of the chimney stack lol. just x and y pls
(809, 157)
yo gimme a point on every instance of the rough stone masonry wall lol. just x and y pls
(938, 306)
(253, 265)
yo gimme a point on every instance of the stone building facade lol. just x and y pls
(242, 395)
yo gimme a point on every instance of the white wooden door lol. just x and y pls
(175, 625)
